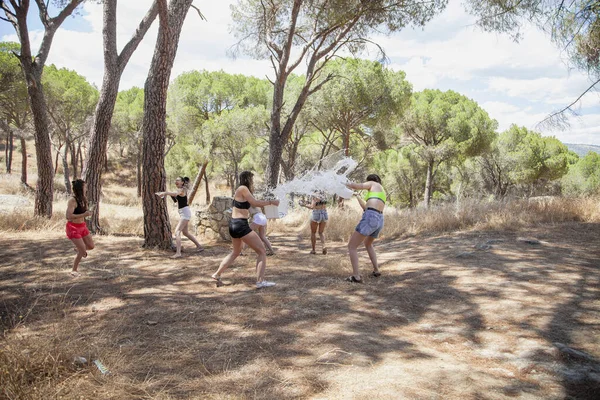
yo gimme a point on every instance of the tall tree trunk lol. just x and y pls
(56, 160)
(65, 164)
(157, 229)
(429, 183)
(276, 142)
(44, 193)
(138, 172)
(23, 160)
(206, 187)
(74, 165)
(6, 150)
(9, 148)
(347, 143)
(80, 158)
(114, 64)
(197, 182)
(32, 67)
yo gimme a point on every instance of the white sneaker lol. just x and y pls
(263, 284)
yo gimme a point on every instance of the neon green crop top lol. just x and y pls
(375, 195)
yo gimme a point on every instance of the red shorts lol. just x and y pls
(76, 231)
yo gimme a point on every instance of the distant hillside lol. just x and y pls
(582, 149)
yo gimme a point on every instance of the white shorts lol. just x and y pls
(185, 213)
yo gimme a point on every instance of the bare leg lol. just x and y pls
(372, 255)
(187, 234)
(178, 238)
(322, 235)
(355, 240)
(313, 235)
(81, 252)
(229, 259)
(262, 233)
(253, 240)
(254, 227)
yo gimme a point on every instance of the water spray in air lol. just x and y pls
(331, 181)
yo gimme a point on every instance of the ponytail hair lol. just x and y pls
(374, 178)
(77, 186)
(185, 180)
(247, 179)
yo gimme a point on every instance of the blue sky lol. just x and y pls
(517, 83)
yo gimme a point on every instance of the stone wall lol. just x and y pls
(213, 221)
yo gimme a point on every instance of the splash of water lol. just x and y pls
(316, 182)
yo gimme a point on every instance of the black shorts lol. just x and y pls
(239, 227)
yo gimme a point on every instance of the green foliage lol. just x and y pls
(446, 127)
(196, 95)
(263, 27)
(522, 157)
(14, 106)
(71, 99)
(403, 174)
(196, 98)
(127, 120)
(129, 110)
(532, 157)
(363, 97)
(583, 177)
(233, 136)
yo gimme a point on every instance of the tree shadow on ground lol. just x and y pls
(146, 315)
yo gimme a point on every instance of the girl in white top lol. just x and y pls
(180, 196)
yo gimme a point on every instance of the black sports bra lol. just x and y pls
(80, 209)
(321, 203)
(244, 205)
(181, 201)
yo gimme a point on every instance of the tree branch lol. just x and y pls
(137, 37)
(549, 118)
(51, 27)
(43, 11)
(10, 16)
(202, 17)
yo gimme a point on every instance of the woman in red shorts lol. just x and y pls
(77, 210)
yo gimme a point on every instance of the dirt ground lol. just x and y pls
(467, 315)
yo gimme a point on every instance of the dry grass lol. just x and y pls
(59, 362)
(433, 326)
(484, 216)
(121, 214)
(121, 196)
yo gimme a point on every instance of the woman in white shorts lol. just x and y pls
(258, 223)
(318, 221)
(180, 197)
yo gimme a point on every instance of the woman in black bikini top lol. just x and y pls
(240, 231)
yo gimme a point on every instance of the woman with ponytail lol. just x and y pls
(240, 231)
(77, 231)
(180, 197)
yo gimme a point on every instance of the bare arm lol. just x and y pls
(311, 206)
(359, 186)
(181, 192)
(71, 205)
(362, 203)
(254, 202)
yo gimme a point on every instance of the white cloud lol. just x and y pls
(548, 90)
(417, 74)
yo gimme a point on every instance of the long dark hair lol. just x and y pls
(247, 179)
(77, 185)
(374, 178)
(185, 180)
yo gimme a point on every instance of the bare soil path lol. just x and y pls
(468, 315)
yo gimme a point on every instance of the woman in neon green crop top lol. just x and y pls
(370, 225)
